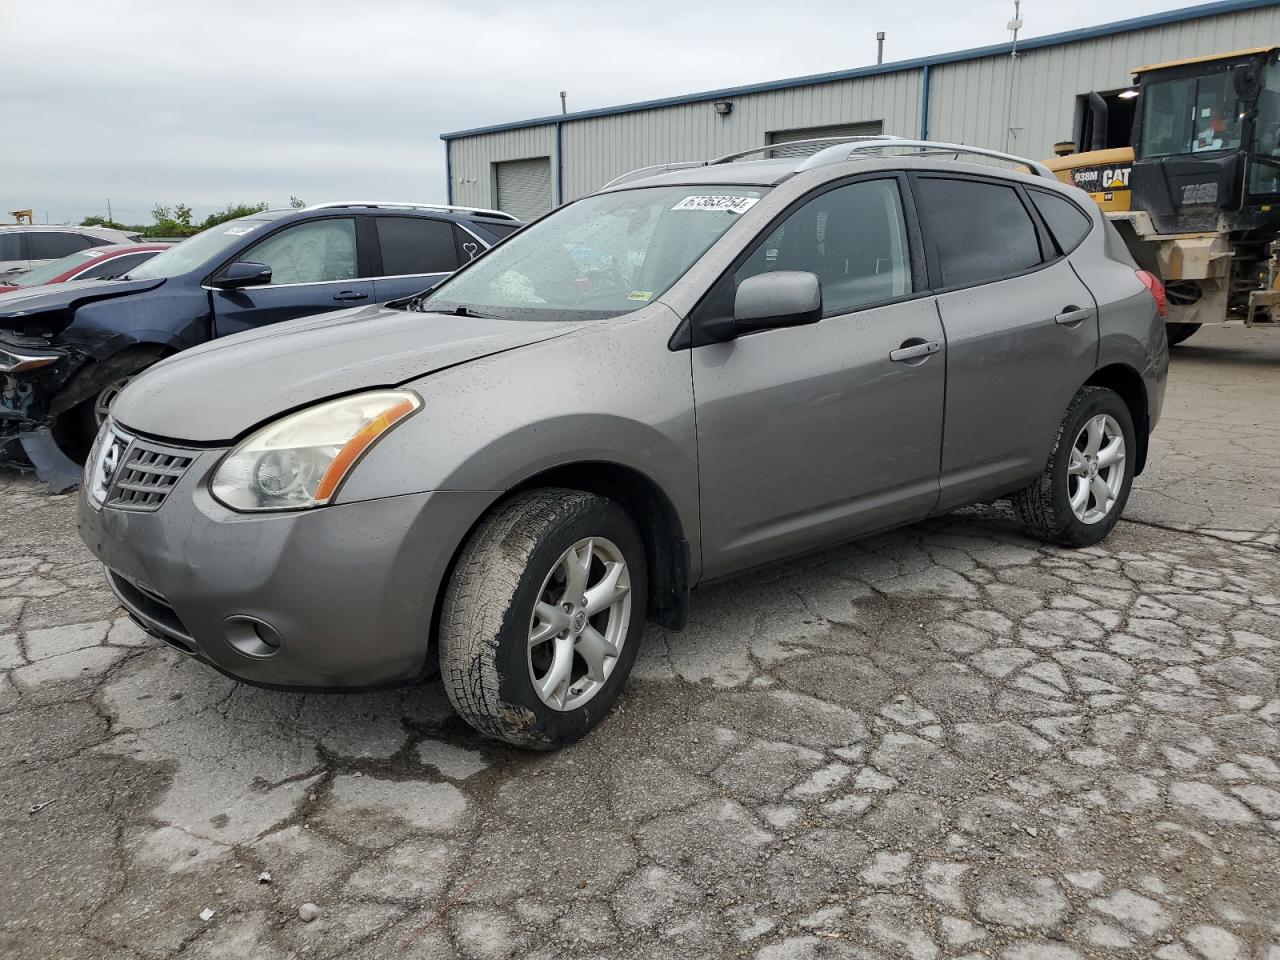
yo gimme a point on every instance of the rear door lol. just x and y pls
(316, 266)
(812, 434)
(416, 254)
(1021, 330)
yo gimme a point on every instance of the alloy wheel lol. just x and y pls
(106, 397)
(1095, 474)
(579, 623)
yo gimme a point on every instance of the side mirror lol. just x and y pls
(785, 298)
(1247, 83)
(243, 273)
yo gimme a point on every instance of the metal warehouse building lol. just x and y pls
(982, 97)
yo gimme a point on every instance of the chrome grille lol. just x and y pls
(147, 472)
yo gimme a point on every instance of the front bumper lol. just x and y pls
(347, 591)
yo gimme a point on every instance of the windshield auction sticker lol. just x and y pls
(241, 230)
(717, 204)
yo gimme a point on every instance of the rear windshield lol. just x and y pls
(602, 256)
(196, 251)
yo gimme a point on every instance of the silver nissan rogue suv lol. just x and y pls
(691, 372)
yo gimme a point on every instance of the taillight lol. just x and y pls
(1156, 289)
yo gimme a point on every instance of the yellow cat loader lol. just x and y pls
(1186, 164)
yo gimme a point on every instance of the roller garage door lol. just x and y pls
(524, 187)
(868, 128)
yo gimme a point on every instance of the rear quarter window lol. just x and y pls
(11, 246)
(1067, 222)
(980, 231)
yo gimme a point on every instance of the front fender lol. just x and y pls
(172, 316)
(612, 393)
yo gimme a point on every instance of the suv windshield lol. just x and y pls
(602, 256)
(1190, 115)
(195, 251)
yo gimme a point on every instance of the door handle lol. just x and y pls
(1072, 314)
(350, 296)
(914, 349)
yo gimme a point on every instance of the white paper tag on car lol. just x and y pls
(717, 204)
(240, 231)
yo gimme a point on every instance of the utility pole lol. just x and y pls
(109, 219)
(1013, 27)
(880, 47)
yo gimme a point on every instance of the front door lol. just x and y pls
(1021, 328)
(813, 434)
(314, 269)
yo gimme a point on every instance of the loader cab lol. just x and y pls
(1206, 157)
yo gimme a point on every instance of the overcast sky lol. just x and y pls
(155, 101)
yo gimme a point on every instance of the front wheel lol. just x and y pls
(1084, 487)
(543, 617)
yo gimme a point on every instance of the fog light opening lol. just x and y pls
(252, 637)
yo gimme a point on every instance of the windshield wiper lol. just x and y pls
(462, 310)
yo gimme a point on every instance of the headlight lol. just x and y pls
(301, 460)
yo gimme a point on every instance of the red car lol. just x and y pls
(96, 263)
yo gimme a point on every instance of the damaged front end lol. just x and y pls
(33, 375)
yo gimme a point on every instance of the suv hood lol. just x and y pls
(218, 391)
(18, 304)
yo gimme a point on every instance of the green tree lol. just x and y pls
(296, 203)
(232, 212)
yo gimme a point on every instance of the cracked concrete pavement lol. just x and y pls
(946, 741)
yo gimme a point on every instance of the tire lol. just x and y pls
(1178, 332)
(1045, 506)
(76, 428)
(517, 558)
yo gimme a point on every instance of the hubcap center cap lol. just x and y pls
(579, 621)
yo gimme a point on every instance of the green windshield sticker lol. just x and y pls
(640, 295)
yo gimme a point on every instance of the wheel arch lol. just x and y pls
(96, 372)
(666, 547)
(1127, 382)
(655, 516)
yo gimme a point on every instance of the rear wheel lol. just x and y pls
(1084, 487)
(543, 617)
(1177, 332)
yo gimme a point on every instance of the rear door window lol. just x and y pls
(414, 245)
(980, 231)
(1067, 222)
(11, 246)
(51, 245)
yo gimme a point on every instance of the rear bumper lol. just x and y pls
(1154, 379)
(346, 592)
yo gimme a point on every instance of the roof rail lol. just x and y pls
(841, 152)
(450, 208)
(653, 168)
(730, 157)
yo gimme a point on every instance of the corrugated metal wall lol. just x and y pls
(598, 149)
(472, 160)
(969, 102)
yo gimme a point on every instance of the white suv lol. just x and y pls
(23, 247)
